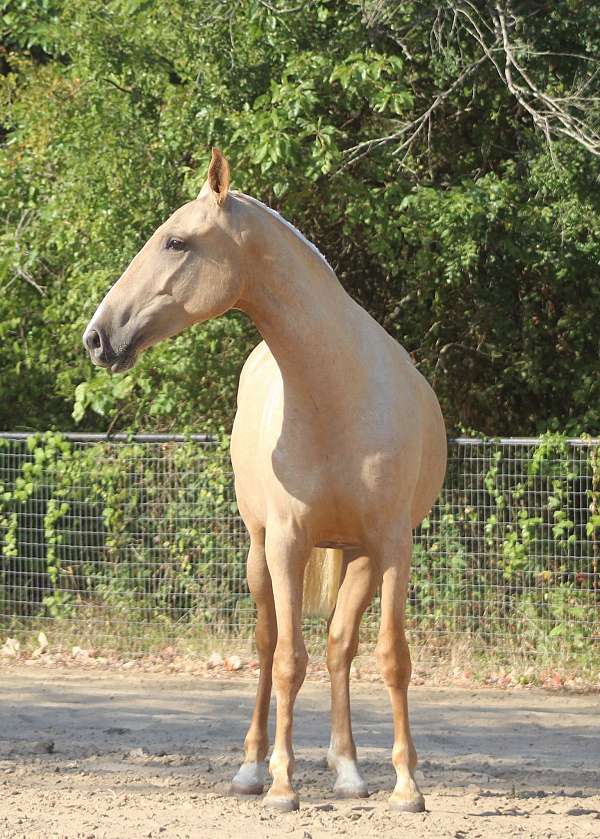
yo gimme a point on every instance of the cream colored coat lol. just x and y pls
(338, 442)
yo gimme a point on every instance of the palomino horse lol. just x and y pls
(338, 443)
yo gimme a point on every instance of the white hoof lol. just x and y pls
(250, 779)
(349, 782)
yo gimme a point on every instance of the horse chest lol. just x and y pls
(330, 472)
(327, 456)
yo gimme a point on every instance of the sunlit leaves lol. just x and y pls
(475, 248)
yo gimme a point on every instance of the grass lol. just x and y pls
(438, 658)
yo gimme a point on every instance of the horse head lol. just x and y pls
(187, 272)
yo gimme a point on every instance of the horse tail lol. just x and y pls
(322, 580)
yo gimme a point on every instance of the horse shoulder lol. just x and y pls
(259, 359)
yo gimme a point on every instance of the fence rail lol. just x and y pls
(133, 542)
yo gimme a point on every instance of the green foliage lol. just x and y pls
(479, 250)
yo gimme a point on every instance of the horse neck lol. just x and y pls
(298, 305)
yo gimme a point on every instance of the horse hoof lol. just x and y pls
(281, 803)
(351, 792)
(249, 780)
(246, 789)
(414, 805)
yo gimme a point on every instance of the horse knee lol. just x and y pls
(341, 649)
(289, 666)
(259, 582)
(393, 661)
(266, 639)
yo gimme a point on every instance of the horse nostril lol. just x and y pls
(95, 344)
(94, 340)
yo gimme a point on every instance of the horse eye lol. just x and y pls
(174, 244)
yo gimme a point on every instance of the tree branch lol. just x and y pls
(409, 132)
(554, 116)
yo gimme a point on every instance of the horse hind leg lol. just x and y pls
(393, 659)
(251, 776)
(356, 592)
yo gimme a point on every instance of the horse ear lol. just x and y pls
(217, 180)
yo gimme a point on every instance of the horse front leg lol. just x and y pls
(393, 659)
(287, 554)
(251, 776)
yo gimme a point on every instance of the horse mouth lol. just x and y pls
(126, 357)
(124, 361)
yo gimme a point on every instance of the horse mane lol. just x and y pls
(288, 224)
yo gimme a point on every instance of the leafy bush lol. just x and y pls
(477, 246)
(511, 552)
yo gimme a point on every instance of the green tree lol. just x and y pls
(457, 200)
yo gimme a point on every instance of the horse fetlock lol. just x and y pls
(349, 782)
(281, 767)
(406, 797)
(281, 795)
(341, 750)
(256, 748)
(404, 755)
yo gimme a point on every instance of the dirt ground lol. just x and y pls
(126, 755)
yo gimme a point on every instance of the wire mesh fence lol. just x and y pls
(133, 543)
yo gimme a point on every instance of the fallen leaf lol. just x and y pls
(233, 662)
(215, 660)
(10, 648)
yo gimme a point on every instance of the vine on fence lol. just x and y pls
(140, 535)
(515, 552)
(148, 534)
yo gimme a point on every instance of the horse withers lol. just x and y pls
(338, 449)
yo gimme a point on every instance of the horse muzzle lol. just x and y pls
(96, 342)
(101, 351)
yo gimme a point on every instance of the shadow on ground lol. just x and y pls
(198, 726)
